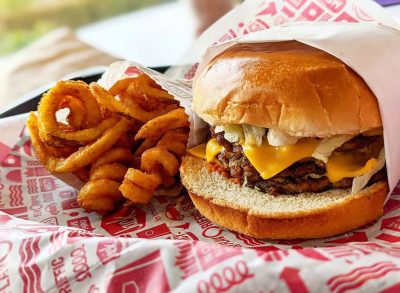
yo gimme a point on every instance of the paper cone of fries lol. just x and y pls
(181, 91)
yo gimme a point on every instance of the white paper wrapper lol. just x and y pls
(14, 124)
(372, 50)
(253, 16)
(181, 91)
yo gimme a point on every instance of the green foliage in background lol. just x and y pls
(22, 21)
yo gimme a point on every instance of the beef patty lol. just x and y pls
(306, 175)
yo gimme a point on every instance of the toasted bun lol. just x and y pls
(289, 86)
(264, 216)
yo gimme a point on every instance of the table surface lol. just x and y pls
(169, 26)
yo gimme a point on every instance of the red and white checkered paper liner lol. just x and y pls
(47, 243)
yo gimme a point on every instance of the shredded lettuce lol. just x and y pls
(253, 135)
(218, 129)
(232, 133)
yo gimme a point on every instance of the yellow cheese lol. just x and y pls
(213, 148)
(348, 165)
(207, 151)
(270, 160)
(198, 151)
(353, 163)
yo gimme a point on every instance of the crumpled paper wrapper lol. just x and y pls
(180, 89)
(254, 16)
(372, 50)
(47, 243)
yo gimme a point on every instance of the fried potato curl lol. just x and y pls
(123, 143)
(101, 193)
(131, 103)
(158, 167)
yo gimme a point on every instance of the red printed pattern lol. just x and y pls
(29, 270)
(16, 198)
(272, 13)
(215, 268)
(143, 275)
(357, 277)
(229, 277)
(197, 257)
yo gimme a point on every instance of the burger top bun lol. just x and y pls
(289, 86)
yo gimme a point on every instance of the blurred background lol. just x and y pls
(47, 39)
(43, 40)
(118, 27)
(22, 21)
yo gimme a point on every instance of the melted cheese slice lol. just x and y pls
(198, 151)
(271, 160)
(207, 151)
(353, 163)
(213, 148)
(349, 165)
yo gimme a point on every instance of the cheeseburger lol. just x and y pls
(295, 147)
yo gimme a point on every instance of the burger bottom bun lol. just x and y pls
(265, 216)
